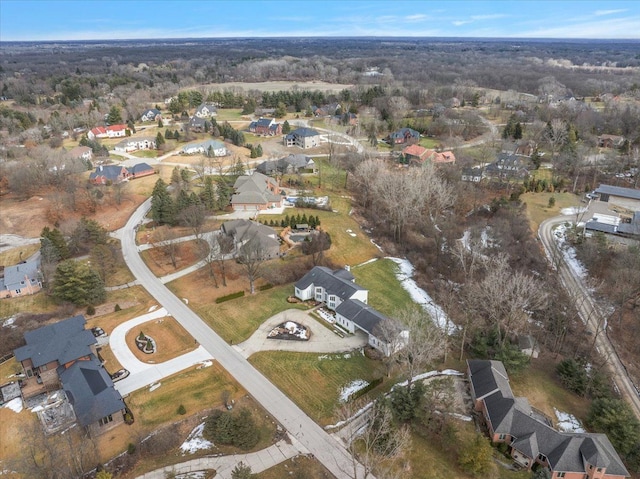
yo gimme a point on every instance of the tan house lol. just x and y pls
(256, 192)
(530, 436)
(63, 356)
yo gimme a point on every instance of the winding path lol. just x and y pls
(325, 448)
(591, 314)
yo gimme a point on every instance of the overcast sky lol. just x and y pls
(126, 19)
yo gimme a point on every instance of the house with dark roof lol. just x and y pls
(139, 170)
(474, 175)
(628, 198)
(197, 124)
(508, 166)
(245, 232)
(403, 136)
(20, 279)
(287, 165)
(152, 114)
(265, 127)
(109, 174)
(614, 225)
(206, 110)
(302, 138)
(256, 192)
(63, 356)
(530, 436)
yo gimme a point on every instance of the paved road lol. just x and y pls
(223, 465)
(589, 311)
(325, 448)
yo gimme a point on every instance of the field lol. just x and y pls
(385, 292)
(538, 206)
(324, 377)
(298, 467)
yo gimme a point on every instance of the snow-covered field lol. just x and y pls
(15, 405)
(568, 422)
(195, 441)
(420, 296)
(351, 388)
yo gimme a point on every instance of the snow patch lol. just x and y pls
(195, 441)
(152, 308)
(573, 210)
(186, 301)
(15, 405)
(351, 388)
(372, 260)
(420, 296)
(204, 364)
(568, 253)
(9, 322)
(430, 374)
(568, 422)
(154, 386)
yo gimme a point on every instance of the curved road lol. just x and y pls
(325, 448)
(591, 315)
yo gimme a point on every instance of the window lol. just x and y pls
(106, 420)
(542, 457)
(599, 469)
(502, 437)
(43, 368)
(18, 291)
(559, 474)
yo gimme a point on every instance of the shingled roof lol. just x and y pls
(363, 315)
(330, 281)
(64, 342)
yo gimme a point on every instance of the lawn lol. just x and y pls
(228, 114)
(145, 153)
(298, 467)
(158, 259)
(428, 142)
(15, 255)
(35, 303)
(385, 292)
(314, 381)
(538, 206)
(170, 337)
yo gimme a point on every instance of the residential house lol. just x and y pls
(206, 110)
(81, 153)
(112, 131)
(197, 124)
(265, 127)
(208, 147)
(416, 154)
(63, 355)
(331, 287)
(403, 136)
(614, 225)
(265, 111)
(139, 170)
(152, 114)
(610, 141)
(473, 175)
(246, 233)
(628, 198)
(330, 109)
(20, 279)
(256, 192)
(108, 174)
(302, 138)
(288, 165)
(134, 144)
(529, 435)
(526, 148)
(508, 166)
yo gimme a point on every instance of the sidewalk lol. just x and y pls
(223, 465)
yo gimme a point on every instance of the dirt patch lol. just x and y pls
(171, 340)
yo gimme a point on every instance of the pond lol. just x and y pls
(298, 238)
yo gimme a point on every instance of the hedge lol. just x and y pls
(365, 390)
(265, 287)
(229, 297)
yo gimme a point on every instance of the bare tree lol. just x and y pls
(193, 217)
(317, 244)
(556, 135)
(226, 246)
(165, 241)
(251, 255)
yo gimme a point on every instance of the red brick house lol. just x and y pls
(265, 127)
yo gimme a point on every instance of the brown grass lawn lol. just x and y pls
(15, 255)
(540, 385)
(170, 337)
(11, 427)
(111, 364)
(313, 383)
(134, 301)
(160, 263)
(538, 206)
(300, 466)
(35, 303)
(237, 319)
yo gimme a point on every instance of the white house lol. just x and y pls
(112, 131)
(214, 146)
(330, 287)
(206, 110)
(152, 114)
(133, 144)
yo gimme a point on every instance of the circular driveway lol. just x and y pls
(322, 339)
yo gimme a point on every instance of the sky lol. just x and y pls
(40, 20)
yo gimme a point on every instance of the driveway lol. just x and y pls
(322, 340)
(145, 374)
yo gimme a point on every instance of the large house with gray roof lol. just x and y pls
(63, 356)
(530, 435)
(302, 138)
(208, 147)
(628, 198)
(20, 279)
(341, 294)
(289, 164)
(246, 232)
(265, 127)
(256, 192)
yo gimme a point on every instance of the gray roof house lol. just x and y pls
(206, 110)
(530, 435)
(245, 231)
(197, 123)
(404, 135)
(152, 114)
(256, 192)
(302, 138)
(626, 197)
(508, 165)
(21, 279)
(63, 355)
(108, 174)
(289, 164)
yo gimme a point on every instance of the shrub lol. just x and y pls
(365, 390)
(229, 297)
(141, 336)
(552, 202)
(182, 410)
(117, 308)
(91, 310)
(265, 287)
(131, 448)
(238, 430)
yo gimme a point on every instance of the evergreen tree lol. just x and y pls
(208, 194)
(182, 202)
(114, 116)
(162, 204)
(224, 193)
(77, 283)
(317, 221)
(258, 151)
(242, 471)
(160, 123)
(168, 134)
(56, 245)
(159, 140)
(517, 131)
(286, 127)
